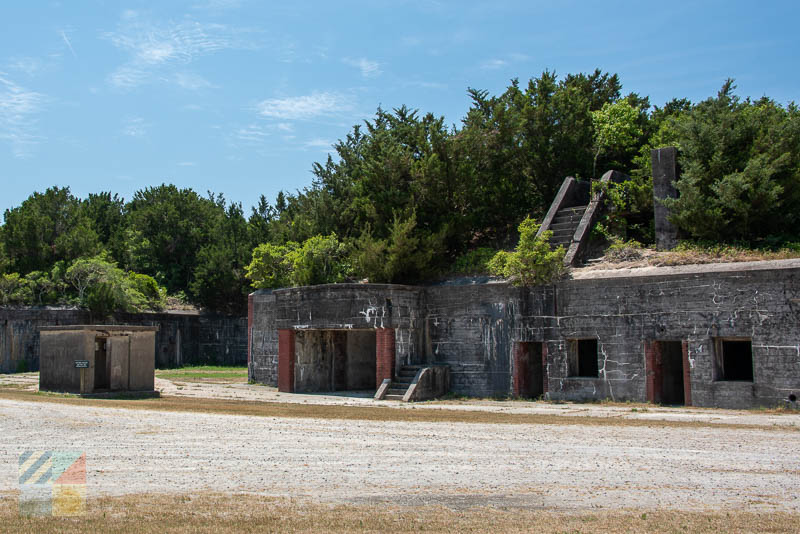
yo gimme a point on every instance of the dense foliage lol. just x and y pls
(407, 198)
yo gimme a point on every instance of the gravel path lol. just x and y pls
(561, 467)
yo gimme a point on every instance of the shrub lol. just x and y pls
(532, 263)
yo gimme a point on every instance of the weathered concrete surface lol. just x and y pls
(561, 467)
(665, 174)
(474, 328)
(430, 383)
(182, 338)
(121, 358)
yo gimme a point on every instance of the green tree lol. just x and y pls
(219, 282)
(615, 126)
(45, 228)
(168, 228)
(740, 169)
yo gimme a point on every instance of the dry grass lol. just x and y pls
(251, 513)
(628, 257)
(364, 413)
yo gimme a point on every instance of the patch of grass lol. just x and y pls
(368, 413)
(205, 373)
(221, 513)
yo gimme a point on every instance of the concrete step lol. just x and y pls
(396, 391)
(555, 227)
(393, 397)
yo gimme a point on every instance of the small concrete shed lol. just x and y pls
(89, 359)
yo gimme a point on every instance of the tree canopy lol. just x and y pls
(407, 197)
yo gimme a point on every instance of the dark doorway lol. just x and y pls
(529, 369)
(582, 358)
(100, 364)
(671, 372)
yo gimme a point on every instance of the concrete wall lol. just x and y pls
(182, 338)
(474, 328)
(63, 348)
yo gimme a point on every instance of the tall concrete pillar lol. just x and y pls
(665, 173)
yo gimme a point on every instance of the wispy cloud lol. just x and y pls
(68, 43)
(494, 64)
(28, 65)
(192, 81)
(499, 63)
(318, 143)
(18, 110)
(250, 134)
(155, 50)
(135, 127)
(425, 85)
(368, 68)
(217, 5)
(304, 107)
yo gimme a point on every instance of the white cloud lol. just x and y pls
(251, 134)
(369, 69)
(18, 110)
(154, 49)
(304, 107)
(319, 143)
(285, 126)
(29, 65)
(135, 127)
(191, 81)
(494, 64)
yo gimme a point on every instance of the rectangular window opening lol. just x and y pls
(734, 360)
(583, 358)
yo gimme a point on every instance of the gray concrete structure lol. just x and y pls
(115, 358)
(724, 335)
(665, 174)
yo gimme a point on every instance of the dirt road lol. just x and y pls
(456, 464)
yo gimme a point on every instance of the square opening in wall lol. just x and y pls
(734, 360)
(583, 357)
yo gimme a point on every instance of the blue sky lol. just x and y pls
(242, 96)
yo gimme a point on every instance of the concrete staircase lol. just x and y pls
(564, 225)
(399, 386)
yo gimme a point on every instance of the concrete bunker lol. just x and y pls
(91, 359)
(334, 360)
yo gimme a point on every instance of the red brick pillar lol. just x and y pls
(384, 354)
(545, 385)
(650, 370)
(286, 360)
(687, 375)
(249, 329)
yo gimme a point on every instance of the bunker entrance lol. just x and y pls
(667, 373)
(671, 372)
(101, 368)
(529, 369)
(334, 360)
